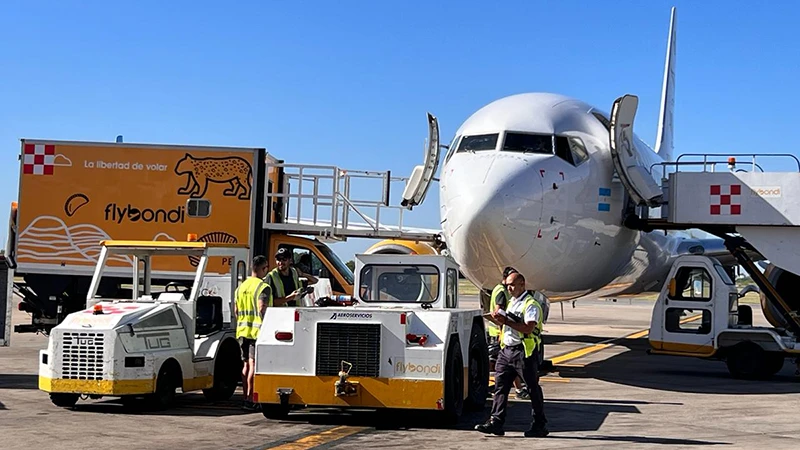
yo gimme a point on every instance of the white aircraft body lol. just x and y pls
(529, 182)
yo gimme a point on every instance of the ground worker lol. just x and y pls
(499, 299)
(285, 278)
(520, 338)
(253, 297)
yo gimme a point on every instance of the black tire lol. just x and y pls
(746, 361)
(274, 411)
(169, 379)
(453, 385)
(227, 373)
(64, 400)
(773, 363)
(478, 390)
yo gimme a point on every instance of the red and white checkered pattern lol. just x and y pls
(39, 159)
(115, 309)
(726, 200)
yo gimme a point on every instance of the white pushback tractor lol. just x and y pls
(405, 344)
(151, 343)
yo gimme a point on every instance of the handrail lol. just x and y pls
(711, 160)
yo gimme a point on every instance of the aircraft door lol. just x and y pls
(630, 165)
(422, 175)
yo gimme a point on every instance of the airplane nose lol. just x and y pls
(493, 212)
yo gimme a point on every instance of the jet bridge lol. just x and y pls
(321, 200)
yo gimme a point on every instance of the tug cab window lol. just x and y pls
(478, 143)
(399, 283)
(528, 143)
(692, 284)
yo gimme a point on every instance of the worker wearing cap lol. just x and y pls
(253, 297)
(520, 337)
(285, 278)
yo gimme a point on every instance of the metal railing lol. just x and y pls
(323, 186)
(709, 162)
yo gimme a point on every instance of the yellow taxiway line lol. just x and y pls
(322, 438)
(575, 354)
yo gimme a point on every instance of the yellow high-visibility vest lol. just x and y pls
(530, 341)
(248, 317)
(498, 290)
(275, 276)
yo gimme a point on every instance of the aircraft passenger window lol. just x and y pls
(452, 148)
(579, 153)
(681, 320)
(693, 284)
(528, 143)
(477, 143)
(562, 149)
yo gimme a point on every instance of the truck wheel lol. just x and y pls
(773, 363)
(227, 373)
(64, 400)
(478, 370)
(169, 379)
(274, 412)
(746, 361)
(453, 385)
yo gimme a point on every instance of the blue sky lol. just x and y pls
(349, 83)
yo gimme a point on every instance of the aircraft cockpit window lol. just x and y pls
(528, 143)
(452, 148)
(562, 149)
(579, 153)
(477, 143)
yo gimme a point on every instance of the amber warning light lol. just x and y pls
(191, 237)
(98, 309)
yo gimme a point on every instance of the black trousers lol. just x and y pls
(511, 362)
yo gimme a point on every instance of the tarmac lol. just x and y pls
(606, 392)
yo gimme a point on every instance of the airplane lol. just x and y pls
(530, 181)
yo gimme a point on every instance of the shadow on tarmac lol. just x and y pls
(678, 373)
(19, 381)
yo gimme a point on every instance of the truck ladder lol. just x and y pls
(319, 200)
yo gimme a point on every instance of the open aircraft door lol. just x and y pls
(630, 166)
(422, 176)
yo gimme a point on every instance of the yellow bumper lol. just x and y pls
(99, 387)
(371, 392)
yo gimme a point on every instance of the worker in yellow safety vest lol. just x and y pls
(520, 339)
(253, 297)
(500, 298)
(285, 278)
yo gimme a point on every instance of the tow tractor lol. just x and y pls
(151, 343)
(404, 344)
(756, 216)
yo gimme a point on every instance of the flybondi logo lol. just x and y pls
(350, 315)
(118, 213)
(421, 369)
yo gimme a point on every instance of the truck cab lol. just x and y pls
(314, 258)
(698, 314)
